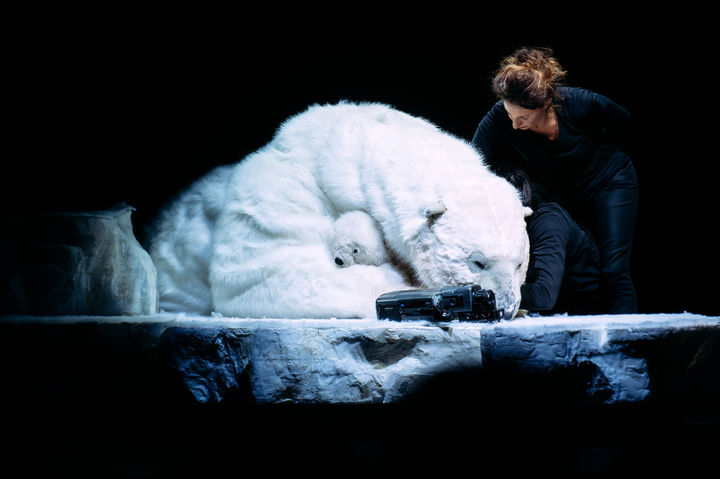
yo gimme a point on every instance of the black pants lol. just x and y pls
(612, 214)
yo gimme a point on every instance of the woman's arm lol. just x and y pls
(489, 133)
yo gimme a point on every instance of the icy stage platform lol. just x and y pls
(116, 390)
(370, 361)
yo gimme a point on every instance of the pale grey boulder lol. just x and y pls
(354, 362)
(61, 263)
(370, 361)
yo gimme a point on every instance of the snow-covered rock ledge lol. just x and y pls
(370, 361)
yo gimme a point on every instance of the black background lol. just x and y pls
(118, 105)
(110, 105)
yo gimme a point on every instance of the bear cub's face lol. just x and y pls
(357, 239)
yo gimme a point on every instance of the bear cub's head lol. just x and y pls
(357, 239)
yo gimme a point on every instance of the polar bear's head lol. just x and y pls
(357, 240)
(474, 235)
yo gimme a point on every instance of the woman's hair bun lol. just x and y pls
(529, 78)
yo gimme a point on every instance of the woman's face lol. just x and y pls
(522, 118)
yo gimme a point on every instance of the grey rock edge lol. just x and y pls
(371, 361)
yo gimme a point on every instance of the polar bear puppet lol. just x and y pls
(252, 239)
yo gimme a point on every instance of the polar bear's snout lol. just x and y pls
(348, 255)
(508, 303)
(507, 295)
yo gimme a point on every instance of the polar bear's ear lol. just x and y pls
(414, 225)
(434, 212)
(527, 211)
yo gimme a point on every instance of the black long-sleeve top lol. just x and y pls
(584, 155)
(564, 261)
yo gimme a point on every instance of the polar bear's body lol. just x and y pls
(442, 214)
(357, 239)
(181, 244)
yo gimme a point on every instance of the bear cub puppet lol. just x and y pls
(304, 227)
(357, 239)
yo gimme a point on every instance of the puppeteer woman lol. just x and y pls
(565, 137)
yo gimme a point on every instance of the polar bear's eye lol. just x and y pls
(480, 265)
(355, 251)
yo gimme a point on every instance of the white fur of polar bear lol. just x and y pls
(357, 239)
(251, 240)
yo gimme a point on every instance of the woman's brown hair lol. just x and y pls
(529, 78)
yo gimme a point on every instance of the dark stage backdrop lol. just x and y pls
(133, 107)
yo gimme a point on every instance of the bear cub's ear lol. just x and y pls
(434, 212)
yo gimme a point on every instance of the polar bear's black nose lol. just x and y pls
(339, 262)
